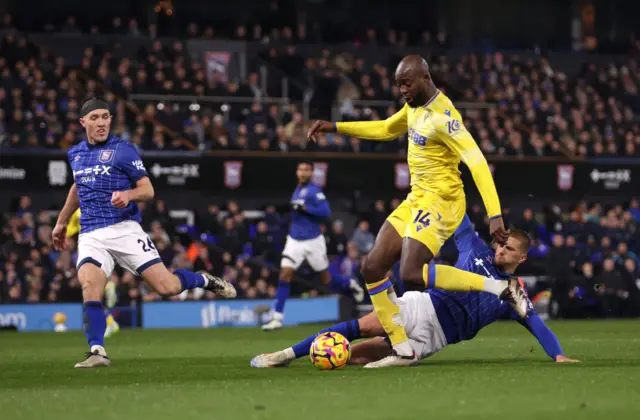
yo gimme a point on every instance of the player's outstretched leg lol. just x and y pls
(456, 280)
(167, 284)
(414, 270)
(367, 326)
(282, 294)
(93, 280)
(343, 285)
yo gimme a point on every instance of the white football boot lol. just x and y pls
(276, 322)
(280, 358)
(394, 360)
(97, 357)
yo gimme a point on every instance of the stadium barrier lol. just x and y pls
(226, 173)
(40, 317)
(235, 313)
(188, 314)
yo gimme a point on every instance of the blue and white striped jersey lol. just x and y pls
(99, 171)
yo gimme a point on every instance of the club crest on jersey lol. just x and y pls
(105, 156)
(77, 158)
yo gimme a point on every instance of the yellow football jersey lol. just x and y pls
(73, 228)
(438, 141)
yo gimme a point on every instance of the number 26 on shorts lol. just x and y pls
(422, 219)
(146, 246)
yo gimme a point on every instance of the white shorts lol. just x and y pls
(124, 243)
(421, 324)
(314, 251)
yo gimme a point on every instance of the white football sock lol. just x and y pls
(495, 286)
(404, 348)
(206, 280)
(101, 350)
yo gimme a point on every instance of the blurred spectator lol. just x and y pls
(362, 238)
(615, 293)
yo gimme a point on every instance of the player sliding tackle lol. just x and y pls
(434, 208)
(436, 318)
(109, 179)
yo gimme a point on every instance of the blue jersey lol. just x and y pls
(463, 315)
(99, 171)
(305, 224)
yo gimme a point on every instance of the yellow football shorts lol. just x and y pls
(428, 218)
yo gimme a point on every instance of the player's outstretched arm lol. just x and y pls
(389, 129)
(142, 192)
(546, 338)
(59, 233)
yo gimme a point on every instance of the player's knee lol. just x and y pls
(286, 274)
(372, 270)
(92, 280)
(412, 274)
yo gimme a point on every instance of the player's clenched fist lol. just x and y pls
(120, 199)
(320, 127)
(59, 236)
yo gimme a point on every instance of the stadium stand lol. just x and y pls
(165, 100)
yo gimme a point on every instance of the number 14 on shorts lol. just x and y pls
(422, 220)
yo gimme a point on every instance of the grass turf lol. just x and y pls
(205, 374)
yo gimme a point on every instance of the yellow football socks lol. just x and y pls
(387, 311)
(456, 280)
(109, 319)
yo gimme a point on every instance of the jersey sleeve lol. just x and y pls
(543, 334)
(131, 164)
(453, 133)
(317, 204)
(389, 129)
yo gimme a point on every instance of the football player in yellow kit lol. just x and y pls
(435, 207)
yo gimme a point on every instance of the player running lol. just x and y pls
(434, 208)
(109, 179)
(436, 318)
(306, 242)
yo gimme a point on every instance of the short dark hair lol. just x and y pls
(305, 162)
(522, 237)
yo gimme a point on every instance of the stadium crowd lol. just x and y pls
(589, 253)
(522, 105)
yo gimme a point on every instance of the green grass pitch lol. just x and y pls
(205, 374)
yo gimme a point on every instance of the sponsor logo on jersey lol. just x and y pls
(138, 165)
(565, 177)
(417, 138)
(453, 126)
(106, 155)
(233, 174)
